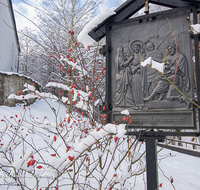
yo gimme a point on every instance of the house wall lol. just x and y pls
(8, 41)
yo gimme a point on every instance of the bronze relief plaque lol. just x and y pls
(154, 99)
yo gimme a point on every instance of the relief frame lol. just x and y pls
(154, 100)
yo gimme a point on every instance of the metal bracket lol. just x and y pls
(102, 50)
(192, 36)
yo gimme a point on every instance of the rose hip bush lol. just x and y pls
(72, 152)
(72, 146)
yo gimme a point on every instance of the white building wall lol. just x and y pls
(8, 41)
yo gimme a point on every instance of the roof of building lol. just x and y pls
(130, 7)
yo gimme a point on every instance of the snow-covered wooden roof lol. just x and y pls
(130, 7)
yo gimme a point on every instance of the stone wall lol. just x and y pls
(12, 83)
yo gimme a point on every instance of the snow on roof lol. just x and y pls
(83, 36)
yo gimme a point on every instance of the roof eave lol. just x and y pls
(130, 7)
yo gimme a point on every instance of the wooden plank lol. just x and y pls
(171, 3)
(180, 149)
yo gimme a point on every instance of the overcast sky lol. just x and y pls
(29, 12)
(25, 10)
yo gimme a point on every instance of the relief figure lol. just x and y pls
(176, 71)
(137, 72)
(152, 73)
(123, 96)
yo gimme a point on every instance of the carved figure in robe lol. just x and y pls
(177, 72)
(137, 74)
(123, 96)
(152, 73)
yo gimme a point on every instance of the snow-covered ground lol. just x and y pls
(184, 169)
